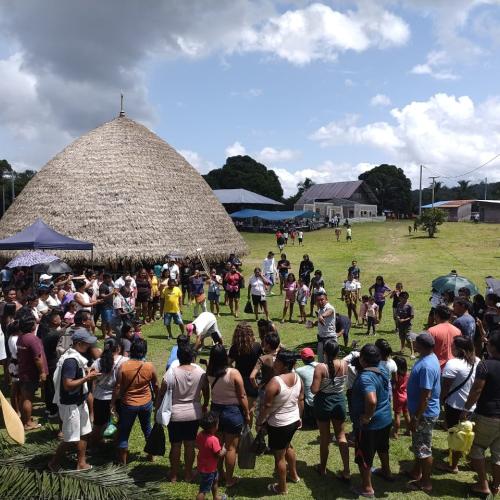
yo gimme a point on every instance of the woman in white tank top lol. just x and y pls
(283, 407)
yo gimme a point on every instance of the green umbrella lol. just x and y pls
(453, 282)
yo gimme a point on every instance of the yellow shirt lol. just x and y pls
(154, 286)
(171, 297)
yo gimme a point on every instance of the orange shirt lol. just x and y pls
(137, 387)
(443, 337)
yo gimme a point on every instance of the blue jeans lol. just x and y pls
(127, 419)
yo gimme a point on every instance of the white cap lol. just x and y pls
(45, 277)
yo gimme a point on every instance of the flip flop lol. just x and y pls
(272, 488)
(359, 493)
(75, 471)
(294, 481)
(378, 472)
(416, 486)
(32, 427)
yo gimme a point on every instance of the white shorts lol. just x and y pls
(75, 421)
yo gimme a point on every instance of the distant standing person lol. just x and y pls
(348, 234)
(354, 270)
(300, 237)
(305, 269)
(350, 295)
(257, 289)
(283, 270)
(379, 290)
(270, 271)
(293, 234)
(405, 315)
(338, 232)
(325, 323)
(394, 295)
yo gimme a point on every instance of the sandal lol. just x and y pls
(294, 481)
(28, 428)
(379, 473)
(273, 488)
(417, 486)
(360, 493)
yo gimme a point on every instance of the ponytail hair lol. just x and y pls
(106, 362)
(331, 349)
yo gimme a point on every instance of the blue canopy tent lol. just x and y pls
(248, 213)
(39, 236)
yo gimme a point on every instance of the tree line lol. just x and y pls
(11, 183)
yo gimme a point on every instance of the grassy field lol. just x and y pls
(387, 249)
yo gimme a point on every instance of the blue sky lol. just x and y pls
(319, 89)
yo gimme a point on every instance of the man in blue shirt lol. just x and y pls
(371, 417)
(424, 387)
(465, 322)
(172, 359)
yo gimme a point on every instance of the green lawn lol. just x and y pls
(382, 248)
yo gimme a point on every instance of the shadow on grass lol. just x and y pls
(251, 487)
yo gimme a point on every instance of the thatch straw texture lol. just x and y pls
(130, 193)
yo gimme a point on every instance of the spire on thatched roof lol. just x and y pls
(130, 193)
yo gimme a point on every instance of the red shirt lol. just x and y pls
(29, 347)
(209, 447)
(399, 391)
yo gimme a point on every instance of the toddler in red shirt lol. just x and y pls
(400, 397)
(209, 452)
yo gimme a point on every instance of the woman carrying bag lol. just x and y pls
(137, 386)
(184, 386)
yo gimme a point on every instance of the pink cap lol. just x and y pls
(189, 328)
(307, 353)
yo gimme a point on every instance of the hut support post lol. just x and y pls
(92, 259)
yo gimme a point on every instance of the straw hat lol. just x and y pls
(130, 193)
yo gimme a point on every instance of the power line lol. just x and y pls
(464, 173)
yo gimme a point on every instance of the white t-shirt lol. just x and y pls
(349, 231)
(269, 266)
(328, 329)
(205, 324)
(300, 235)
(53, 301)
(391, 366)
(105, 384)
(352, 286)
(257, 286)
(13, 367)
(352, 373)
(173, 270)
(3, 353)
(458, 370)
(42, 307)
(121, 282)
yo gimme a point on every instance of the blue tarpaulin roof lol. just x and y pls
(270, 215)
(39, 236)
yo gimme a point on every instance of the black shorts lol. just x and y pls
(182, 431)
(29, 387)
(233, 295)
(102, 411)
(250, 390)
(258, 299)
(368, 442)
(451, 416)
(281, 437)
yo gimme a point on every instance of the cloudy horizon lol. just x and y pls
(324, 90)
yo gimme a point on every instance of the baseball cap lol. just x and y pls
(189, 328)
(45, 277)
(306, 353)
(83, 335)
(425, 339)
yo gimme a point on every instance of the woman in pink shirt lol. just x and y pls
(290, 296)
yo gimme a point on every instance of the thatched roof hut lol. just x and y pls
(130, 193)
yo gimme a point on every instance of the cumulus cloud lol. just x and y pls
(197, 161)
(380, 100)
(436, 66)
(236, 149)
(271, 155)
(319, 32)
(448, 133)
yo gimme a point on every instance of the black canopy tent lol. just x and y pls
(40, 236)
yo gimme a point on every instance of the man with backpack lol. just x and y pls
(83, 319)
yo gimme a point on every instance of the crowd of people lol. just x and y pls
(48, 340)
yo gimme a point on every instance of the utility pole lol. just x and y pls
(433, 185)
(485, 188)
(420, 193)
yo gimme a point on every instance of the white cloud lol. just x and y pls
(319, 32)
(449, 134)
(380, 100)
(436, 66)
(235, 149)
(249, 93)
(269, 155)
(203, 166)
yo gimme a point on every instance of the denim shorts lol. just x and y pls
(176, 317)
(106, 316)
(207, 480)
(230, 418)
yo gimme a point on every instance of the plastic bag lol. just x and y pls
(248, 308)
(246, 455)
(110, 430)
(155, 444)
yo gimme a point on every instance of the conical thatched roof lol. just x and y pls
(130, 193)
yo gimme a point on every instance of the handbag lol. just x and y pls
(200, 298)
(164, 412)
(248, 308)
(155, 444)
(246, 453)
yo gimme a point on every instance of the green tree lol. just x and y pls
(391, 187)
(301, 188)
(245, 172)
(463, 190)
(431, 219)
